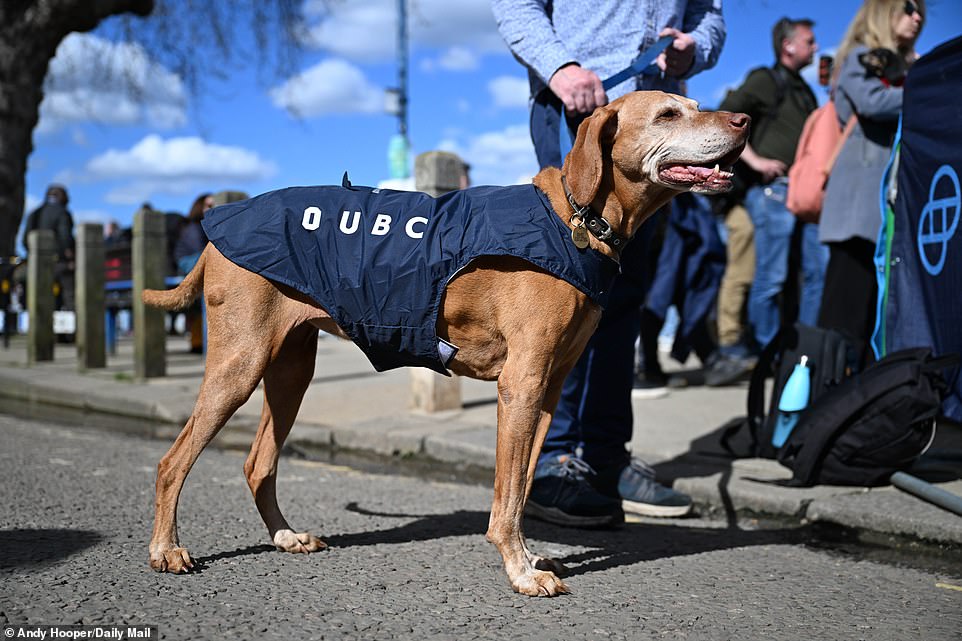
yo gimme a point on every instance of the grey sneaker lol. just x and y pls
(729, 370)
(642, 494)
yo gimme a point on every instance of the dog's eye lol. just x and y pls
(668, 114)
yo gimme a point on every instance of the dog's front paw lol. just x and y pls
(298, 542)
(538, 583)
(174, 560)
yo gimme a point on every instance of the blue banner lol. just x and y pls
(920, 249)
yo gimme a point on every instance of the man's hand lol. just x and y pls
(678, 58)
(769, 168)
(579, 89)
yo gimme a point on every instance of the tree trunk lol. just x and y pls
(30, 31)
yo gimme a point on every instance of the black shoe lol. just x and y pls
(561, 494)
(726, 370)
(649, 385)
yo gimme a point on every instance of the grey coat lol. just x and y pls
(851, 207)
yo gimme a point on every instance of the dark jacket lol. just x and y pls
(690, 268)
(56, 218)
(776, 124)
(190, 241)
(378, 260)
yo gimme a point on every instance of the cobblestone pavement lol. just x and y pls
(408, 560)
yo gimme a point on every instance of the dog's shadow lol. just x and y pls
(607, 549)
(201, 563)
(26, 548)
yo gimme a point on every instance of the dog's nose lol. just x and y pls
(739, 121)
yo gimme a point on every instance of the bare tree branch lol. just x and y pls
(196, 39)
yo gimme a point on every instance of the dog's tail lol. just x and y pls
(184, 294)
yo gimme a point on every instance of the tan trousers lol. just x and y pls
(739, 273)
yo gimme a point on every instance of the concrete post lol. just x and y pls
(40, 300)
(229, 196)
(435, 173)
(91, 336)
(148, 259)
(438, 172)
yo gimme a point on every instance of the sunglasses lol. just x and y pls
(910, 8)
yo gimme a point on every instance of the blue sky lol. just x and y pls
(467, 95)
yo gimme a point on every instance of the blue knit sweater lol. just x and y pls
(605, 35)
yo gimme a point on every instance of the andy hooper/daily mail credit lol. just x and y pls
(54, 632)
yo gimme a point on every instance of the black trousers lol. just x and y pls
(850, 295)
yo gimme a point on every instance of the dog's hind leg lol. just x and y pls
(232, 374)
(285, 382)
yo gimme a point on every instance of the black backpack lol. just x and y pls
(831, 359)
(870, 425)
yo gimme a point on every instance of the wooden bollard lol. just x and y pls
(42, 256)
(148, 262)
(435, 173)
(91, 338)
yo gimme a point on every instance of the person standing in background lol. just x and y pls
(779, 101)
(585, 476)
(55, 216)
(872, 60)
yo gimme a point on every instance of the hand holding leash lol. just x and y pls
(578, 88)
(679, 57)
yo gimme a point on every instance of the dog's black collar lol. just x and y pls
(598, 226)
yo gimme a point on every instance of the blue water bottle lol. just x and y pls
(794, 399)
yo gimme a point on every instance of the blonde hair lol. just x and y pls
(873, 27)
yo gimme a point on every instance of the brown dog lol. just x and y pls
(513, 322)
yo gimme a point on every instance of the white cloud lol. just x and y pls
(367, 32)
(155, 157)
(509, 91)
(458, 59)
(331, 86)
(92, 79)
(175, 166)
(497, 157)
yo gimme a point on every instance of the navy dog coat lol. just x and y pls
(378, 260)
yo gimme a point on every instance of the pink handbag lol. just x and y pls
(818, 147)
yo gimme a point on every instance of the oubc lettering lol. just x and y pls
(351, 250)
(349, 224)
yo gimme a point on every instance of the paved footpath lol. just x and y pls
(349, 407)
(408, 561)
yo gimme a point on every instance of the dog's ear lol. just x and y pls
(583, 167)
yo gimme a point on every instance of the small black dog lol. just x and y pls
(885, 64)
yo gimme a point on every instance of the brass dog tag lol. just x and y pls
(579, 236)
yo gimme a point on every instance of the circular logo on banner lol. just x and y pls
(938, 222)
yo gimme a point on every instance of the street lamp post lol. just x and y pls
(399, 146)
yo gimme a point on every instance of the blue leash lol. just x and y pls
(638, 66)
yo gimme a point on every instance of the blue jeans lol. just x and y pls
(545, 118)
(594, 414)
(774, 228)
